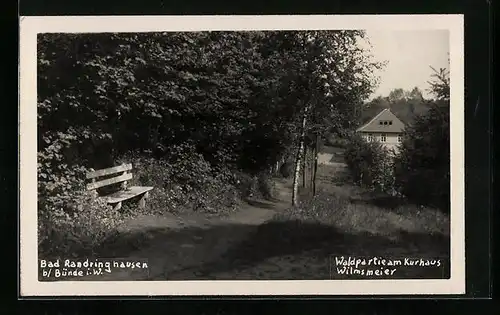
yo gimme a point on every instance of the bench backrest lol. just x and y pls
(116, 174)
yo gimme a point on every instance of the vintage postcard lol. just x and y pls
(242, 155)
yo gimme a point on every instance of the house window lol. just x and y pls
(370, 137)
(381, 122)
(382, 137)
(400, 138)
(390, 122)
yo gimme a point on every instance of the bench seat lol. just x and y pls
(129, 193)
(121, 174)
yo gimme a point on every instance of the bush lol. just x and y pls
(245, 184)
(334, 141)
(258, 186)
(78, 233)
(185, 183)
(286, 169)
(370, 165)
(266, 186)
(71, 221)
(423, 166)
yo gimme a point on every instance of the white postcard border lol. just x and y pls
(31, 26)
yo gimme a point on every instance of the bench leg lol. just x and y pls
(142, 201)
(117, 206)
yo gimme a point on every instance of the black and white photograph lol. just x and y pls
(258, 155)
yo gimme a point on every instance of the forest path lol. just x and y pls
(324, 158)
(179, 243)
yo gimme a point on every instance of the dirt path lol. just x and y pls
(246, 246)
(178, 244)
(324, 158)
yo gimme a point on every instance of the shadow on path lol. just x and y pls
(317, 242)
(232, 251)
(261, 204)
(250, 245)
(170, 243)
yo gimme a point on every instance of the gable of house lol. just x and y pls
(383, 122)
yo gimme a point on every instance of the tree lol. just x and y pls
(369, 164)
(240, 99)
(440, 84)
(153, 91)
(423, 166)
(329, 76)
(195, 97)
(415, 94)
(406, 105)
(397, 95)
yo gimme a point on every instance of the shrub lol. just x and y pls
(245, 184)
(422, 169)
(286, 169)
(334, 141)
(423, 166)
(183, 183)
(79, 232)
(63, 206)
(266, 186)
(370, 164)
(71, 221)
(258, 186)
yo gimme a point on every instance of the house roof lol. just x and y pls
(374, 124)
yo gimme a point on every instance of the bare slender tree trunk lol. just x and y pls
(311, 169)
(316, 148)
(298, 160)
(304, 167)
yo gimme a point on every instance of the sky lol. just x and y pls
(409, 55)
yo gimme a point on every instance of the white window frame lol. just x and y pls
(370, 138)
(400, 138)
(383, 137)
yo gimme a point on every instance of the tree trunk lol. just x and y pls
(311, 169)
(316, 147)
(304, 167)
(298, 160)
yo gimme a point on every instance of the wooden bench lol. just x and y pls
(117, 175)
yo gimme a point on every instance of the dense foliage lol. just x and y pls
(122, 92)
(423, 167)
(420, 171)
(370, 164)
(406, 105)
(202, 115)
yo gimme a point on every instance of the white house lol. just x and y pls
(385, 127)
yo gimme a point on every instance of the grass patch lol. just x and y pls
(350, 217)
(302, 240)
(353, 209)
